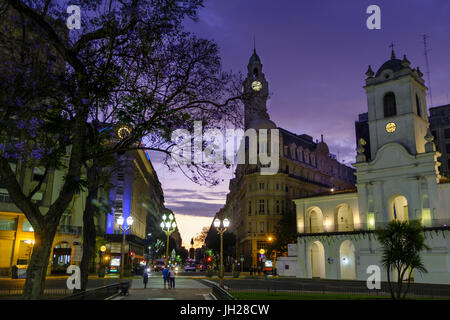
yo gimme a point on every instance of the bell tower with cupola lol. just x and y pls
(255, 89)
(396, 98)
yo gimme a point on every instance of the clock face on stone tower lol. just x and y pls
(256, 85)
(390, 127)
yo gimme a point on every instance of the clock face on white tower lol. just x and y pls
(256, 85)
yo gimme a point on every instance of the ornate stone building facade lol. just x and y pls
(256, 202)
(399, 181)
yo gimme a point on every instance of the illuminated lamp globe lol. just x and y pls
(226, 223)
(130, 220)
(216, 223)
(120, 220)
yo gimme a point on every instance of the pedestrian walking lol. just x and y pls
(165, 273)
(172, 278)
(145, 279)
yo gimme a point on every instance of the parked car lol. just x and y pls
(159, 264)
(190, 267)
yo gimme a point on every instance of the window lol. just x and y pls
(277, 208)
(447, 133)
(447, 148)
(419, 112)
(261, 226)
(7, 223)
(27, 226)
(300, 155)
(249, 227)
(38, 174)
(261, 186)
(65, 218)
(249, 208)
(261, 206)
(389, 105)
(278, 186)
(261, 245)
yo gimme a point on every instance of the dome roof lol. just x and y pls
(322, 147)
(262, 124)
(392, 64)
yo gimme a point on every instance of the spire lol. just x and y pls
(369, 72)
(405, 61)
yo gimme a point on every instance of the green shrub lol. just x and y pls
(127, 270)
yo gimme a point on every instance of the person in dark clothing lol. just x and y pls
(165, 273)
(145, 279)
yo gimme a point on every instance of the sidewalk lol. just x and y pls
(185, 289)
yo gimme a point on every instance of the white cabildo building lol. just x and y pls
(398, 179)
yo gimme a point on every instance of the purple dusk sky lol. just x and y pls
(315, 55)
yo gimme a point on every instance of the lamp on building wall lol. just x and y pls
(124, 229)
(168, 225)
(221, 226)
(274, 253)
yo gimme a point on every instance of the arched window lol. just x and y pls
(390, 107)
(255, 72)
(419, 112)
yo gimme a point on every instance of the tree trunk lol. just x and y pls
(390, 282)
(37, 269)
(89, 233)
(399, 282)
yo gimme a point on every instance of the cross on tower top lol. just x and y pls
(392, 52)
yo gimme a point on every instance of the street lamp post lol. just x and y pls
(168, 225)
(124, 229)
(221, 227)
(274, 253)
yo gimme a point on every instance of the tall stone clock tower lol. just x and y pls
(256, 91)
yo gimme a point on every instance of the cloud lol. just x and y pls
(194, 208)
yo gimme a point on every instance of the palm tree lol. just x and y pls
(402, 242)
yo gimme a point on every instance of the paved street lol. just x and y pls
(185, 289)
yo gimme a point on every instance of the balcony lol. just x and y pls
(431, 225)
(67, 229)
